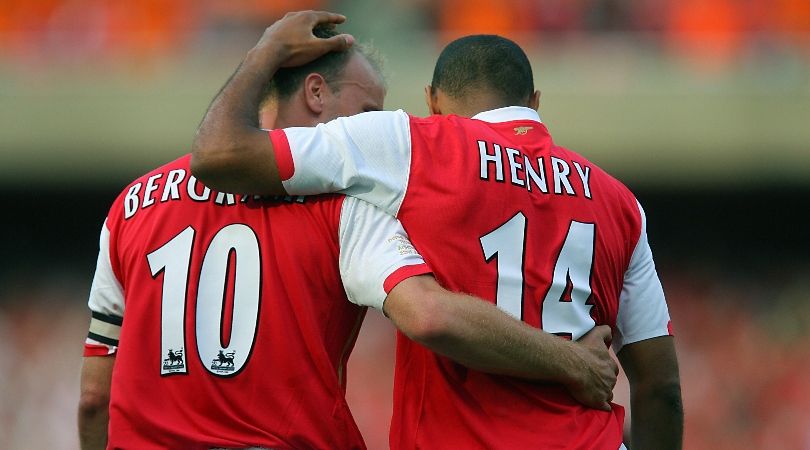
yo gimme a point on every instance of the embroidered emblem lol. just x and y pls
(223, 362)
(520, 131)
(174, 361)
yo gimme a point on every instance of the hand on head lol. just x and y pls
(293, 40)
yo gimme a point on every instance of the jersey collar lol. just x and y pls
(508, 114)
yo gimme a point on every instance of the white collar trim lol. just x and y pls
(508, 114)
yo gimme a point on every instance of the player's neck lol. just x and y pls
(469, 107)
(288, 115)
(268, 118)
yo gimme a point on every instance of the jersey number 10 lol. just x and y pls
(173, 260)
(565, 308)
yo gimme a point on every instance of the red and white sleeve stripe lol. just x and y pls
(375, 253)
(106, 303)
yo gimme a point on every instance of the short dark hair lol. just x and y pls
(484, 62)
(330, 66)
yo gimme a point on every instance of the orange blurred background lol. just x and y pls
(701, 106)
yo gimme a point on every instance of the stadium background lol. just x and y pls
(701, 106)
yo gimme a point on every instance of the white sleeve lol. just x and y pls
(375, 253)
(643, 312)
(106, 300)
(366, 156)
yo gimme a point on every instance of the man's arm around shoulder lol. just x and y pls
(478, 335)
(230, 152)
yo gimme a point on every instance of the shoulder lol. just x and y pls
(609, 191)
(430, 128)
(328, 204)
(180, 164)
(609, 181)
(179, 170)
(371, 118)
(364, 131)
(299, 211)
(442, 120)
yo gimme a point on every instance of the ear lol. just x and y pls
(534, 100)
(430, 100)
(315, 89)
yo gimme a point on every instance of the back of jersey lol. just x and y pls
(500, 212)
(236, 328)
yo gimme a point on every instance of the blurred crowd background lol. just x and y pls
(701, 106)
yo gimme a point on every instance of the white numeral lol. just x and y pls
(507, 243)
(235, 241)
(211, 295)
(565, 307)
(173, 259)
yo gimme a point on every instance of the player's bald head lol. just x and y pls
(487, 65)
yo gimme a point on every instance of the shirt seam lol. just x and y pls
(642, 336)
(409, 139)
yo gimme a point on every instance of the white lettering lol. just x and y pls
(486, 159)
(151, 187)
(192, 190)
(131, 201)
(222, 196)
(172, 181)
(534, 172)
(585, 177)
(561, 170)
(539, 180)
(514, 166)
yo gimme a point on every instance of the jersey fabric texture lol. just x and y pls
(228, 316)
(501, 212)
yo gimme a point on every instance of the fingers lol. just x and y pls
(325, 17)
(340, 42)
(604, 333)
(597, 390)
(605, 405)
(596, 401)
(598, 333)
(293, 39)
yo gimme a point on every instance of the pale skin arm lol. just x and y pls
(478, 335)
(231, 153)
(655, 394)
(94, 400)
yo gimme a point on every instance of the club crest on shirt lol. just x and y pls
(174, 362)
(223, 363)
(520, 131)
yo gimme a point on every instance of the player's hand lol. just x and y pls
(594, 385)
(292, 41)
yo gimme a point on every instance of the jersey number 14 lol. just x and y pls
(565, 307)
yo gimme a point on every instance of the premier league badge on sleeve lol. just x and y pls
(223, 363)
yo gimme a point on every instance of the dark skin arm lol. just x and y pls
(655, 394)
(478, 335)
(94, 401)
(231, 153)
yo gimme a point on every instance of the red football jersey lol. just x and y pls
(501, 212)
(228, 316)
